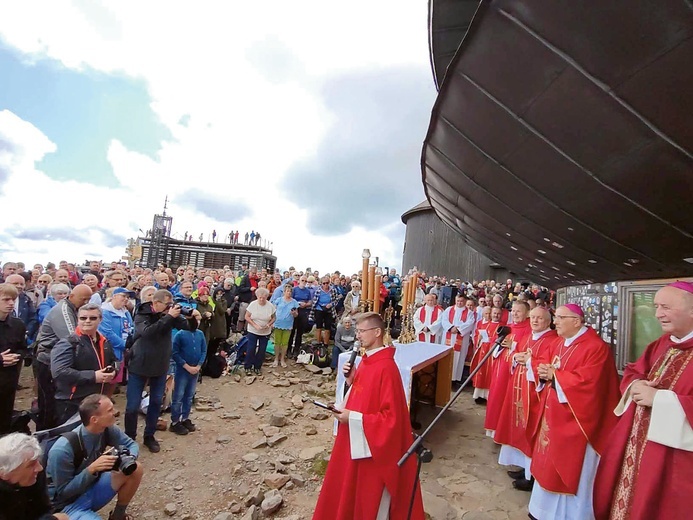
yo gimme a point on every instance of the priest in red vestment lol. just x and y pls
(457, 324)
(579, 386)
(501, 365)
(428, 319)
(363, 481)
(646, 471)
(513, 430)
(484, 336)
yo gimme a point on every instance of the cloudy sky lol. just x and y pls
(303, 120)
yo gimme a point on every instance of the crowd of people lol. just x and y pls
(249, 239)
(549, 386)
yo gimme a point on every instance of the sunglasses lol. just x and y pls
(88, 318)
(326, 283)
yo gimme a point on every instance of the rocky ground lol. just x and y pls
(262, 447)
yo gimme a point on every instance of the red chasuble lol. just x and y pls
(501, 373)
(482, 379)
(587, 374)
(352, 489)
(513, 423)
(640, 479)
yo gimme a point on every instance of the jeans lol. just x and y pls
(183, 393)
(335, 357)
(96, 496)
(136, 384)
(255, 356)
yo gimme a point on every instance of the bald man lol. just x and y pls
(428, 320)
(653, 441)
(579, 386)
(60, 323)
(24, 308)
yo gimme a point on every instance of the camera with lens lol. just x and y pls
(125, 462)
(185, 310)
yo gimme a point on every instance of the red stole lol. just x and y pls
(434, 317)
(514, 423)
(587, 374)
(501, 373)
(352, 488)
(482, 379)
(638, 479)
(457, 346)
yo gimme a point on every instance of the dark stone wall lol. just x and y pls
(435, 248)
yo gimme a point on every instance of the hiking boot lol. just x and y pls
(152, 444)
(189, 425)
(178, 428)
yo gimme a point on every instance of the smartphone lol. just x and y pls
(109, 369)
(329, 407)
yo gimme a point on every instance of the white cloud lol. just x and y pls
(215, 62)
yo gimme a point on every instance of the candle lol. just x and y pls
(364, 280)
(405, 295)
(414, 284)
(371, 283)
(376, 300)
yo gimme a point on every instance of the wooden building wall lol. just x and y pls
(435, 248)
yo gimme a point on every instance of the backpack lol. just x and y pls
(215, 366)
(321, 357)
(47, 438)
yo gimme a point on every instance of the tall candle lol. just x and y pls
(371, 283)
(414, 284)
(405, 295)
(376, 300)
(364, 280)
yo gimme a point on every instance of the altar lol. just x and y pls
(420, 358)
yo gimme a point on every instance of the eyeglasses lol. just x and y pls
(361, 331)
(303, 280)
(88, 318)
(326, 283)
(559, 317)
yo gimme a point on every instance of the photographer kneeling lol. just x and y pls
(82, 483)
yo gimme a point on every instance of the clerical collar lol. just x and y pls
(537, 335)
(683, 339)
(369, 353)
(569, 341)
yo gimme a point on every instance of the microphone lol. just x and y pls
(352, 358)
(501, 332)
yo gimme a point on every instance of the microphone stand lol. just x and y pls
(424, 454)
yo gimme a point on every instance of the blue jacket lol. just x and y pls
(45, 307)
(189, 347)
(27, 313)
(116, 326)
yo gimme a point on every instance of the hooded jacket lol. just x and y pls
(116, 326)
(151, 350)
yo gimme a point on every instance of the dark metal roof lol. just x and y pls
(561, 142)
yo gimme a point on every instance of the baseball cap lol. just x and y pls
(123, 290)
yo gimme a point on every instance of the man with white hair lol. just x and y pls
(428, 320)
(23, 493)
(646, 467)
(458, 323)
